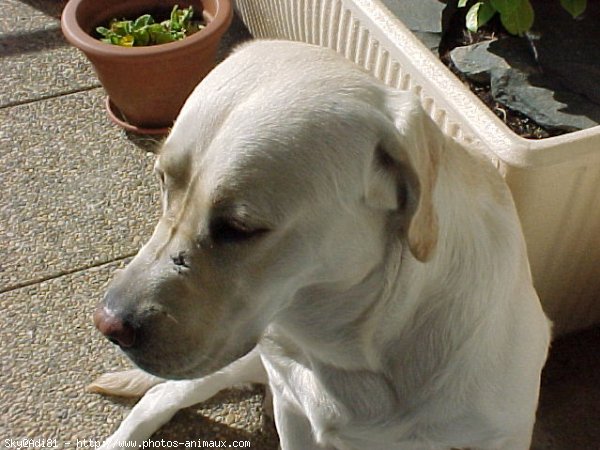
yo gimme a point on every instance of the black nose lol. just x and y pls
(114, 328)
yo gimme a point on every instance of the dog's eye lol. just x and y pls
(225, 230)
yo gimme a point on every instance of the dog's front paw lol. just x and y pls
(130, 383)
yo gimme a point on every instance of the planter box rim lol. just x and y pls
(482, 123)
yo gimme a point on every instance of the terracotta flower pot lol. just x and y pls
(146, 86)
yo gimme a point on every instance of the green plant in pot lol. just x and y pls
(148, 54)
(145, 30)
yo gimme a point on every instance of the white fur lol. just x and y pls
(390, 300)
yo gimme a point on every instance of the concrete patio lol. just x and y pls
(78, 199)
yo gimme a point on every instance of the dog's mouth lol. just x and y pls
(184, 367)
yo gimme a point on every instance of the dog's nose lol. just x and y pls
(114, 328)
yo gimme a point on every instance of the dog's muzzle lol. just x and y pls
(116, 329)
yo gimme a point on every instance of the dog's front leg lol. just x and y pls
(294, 429)
(162, 401)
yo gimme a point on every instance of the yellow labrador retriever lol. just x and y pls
(320, 234)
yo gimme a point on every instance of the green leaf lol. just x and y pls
(161, 37)
(126, 41)
(517, 17)
(177, 35)
(143, 21)
(506, 6)
(462, 3)
(478, 15)
(103, 31)
(155, 28)
(186, 17)
(141, 37)
(574, 7)
(486, 12)
(122, 28)
(175, 23)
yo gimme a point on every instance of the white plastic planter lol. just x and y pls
(555, 182)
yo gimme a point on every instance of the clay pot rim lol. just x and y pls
(88, 44)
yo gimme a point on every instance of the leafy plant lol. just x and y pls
(145, 30)
(516, 15)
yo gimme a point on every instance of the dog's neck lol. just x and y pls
(327, 320)
(363, 326)
(445, 306)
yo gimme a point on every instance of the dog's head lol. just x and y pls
(287, 167)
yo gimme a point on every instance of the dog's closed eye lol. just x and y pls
(228, 230)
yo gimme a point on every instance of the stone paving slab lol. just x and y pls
(35, 59)
(50, 351)
(15, 10)
(75, 191)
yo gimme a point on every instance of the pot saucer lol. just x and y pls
(116, 117)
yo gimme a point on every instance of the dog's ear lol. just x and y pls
(404, 171)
